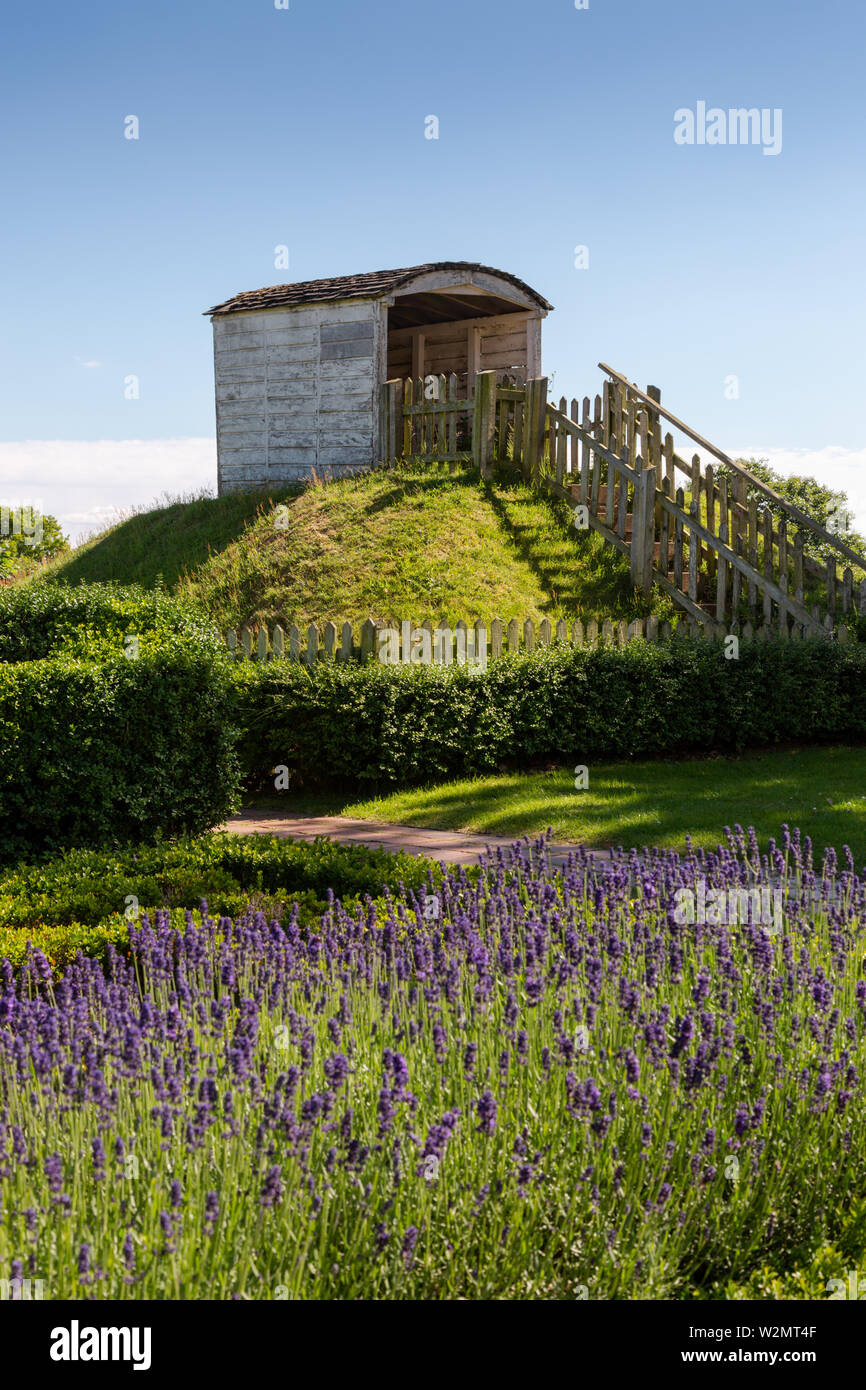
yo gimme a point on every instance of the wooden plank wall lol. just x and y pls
(501, 342)
(296, 389)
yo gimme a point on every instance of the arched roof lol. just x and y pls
(374, 285)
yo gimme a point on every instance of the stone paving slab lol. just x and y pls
(451, 846)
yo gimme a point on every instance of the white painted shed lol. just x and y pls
(298, 368)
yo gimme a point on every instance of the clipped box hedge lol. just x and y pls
(377, 725)
(82, 900)
(96, 747)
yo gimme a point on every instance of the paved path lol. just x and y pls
(452, 846)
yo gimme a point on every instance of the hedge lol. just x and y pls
(42, 620)
(78, 900)
(89, 885)
(94, 753)
(379, 725)
(100, 743)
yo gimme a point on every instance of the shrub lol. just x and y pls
(394, 726)
(99, 753)
(41, 620)
(91, 886)
(62, 944)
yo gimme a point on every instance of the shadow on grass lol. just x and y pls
(578, 571)
(821, 790)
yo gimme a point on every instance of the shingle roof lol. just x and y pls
(370, 286)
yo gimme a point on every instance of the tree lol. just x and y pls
(830, 509)
(27, 535)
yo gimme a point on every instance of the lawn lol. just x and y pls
(821, 790)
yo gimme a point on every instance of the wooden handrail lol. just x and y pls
(794, 511)
(690, 522)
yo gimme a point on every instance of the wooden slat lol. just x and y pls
(678, 539)
(668, 452)
(767, 529)
(694, 551)
(611, 491)
(710, 491)
(451, 397)
(664, 528)
(562, 447)
(721, 562)
(408, 419)
(738, 469)
(368, 639)
(831, 586)
(622, 499)
(736, 582)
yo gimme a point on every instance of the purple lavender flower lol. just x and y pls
(486, 1107)
(272, 1188)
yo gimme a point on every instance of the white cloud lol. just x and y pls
(85, 483)
(82, 363)
(843, 470)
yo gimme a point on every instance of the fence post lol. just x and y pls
(643, 530)
(392, 419)
(484, 422)
(536, 420)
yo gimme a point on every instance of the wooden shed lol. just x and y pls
(298, 368)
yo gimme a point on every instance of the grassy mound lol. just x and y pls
(415, 542)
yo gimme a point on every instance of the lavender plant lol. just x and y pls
(548, 1083)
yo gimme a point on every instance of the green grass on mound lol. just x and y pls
(415, 542)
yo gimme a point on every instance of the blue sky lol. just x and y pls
(305, 127)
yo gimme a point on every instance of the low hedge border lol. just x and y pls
(375, 725)
(78, 900)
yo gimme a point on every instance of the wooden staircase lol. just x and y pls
(722, 557)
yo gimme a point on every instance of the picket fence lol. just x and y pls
(258, 642)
